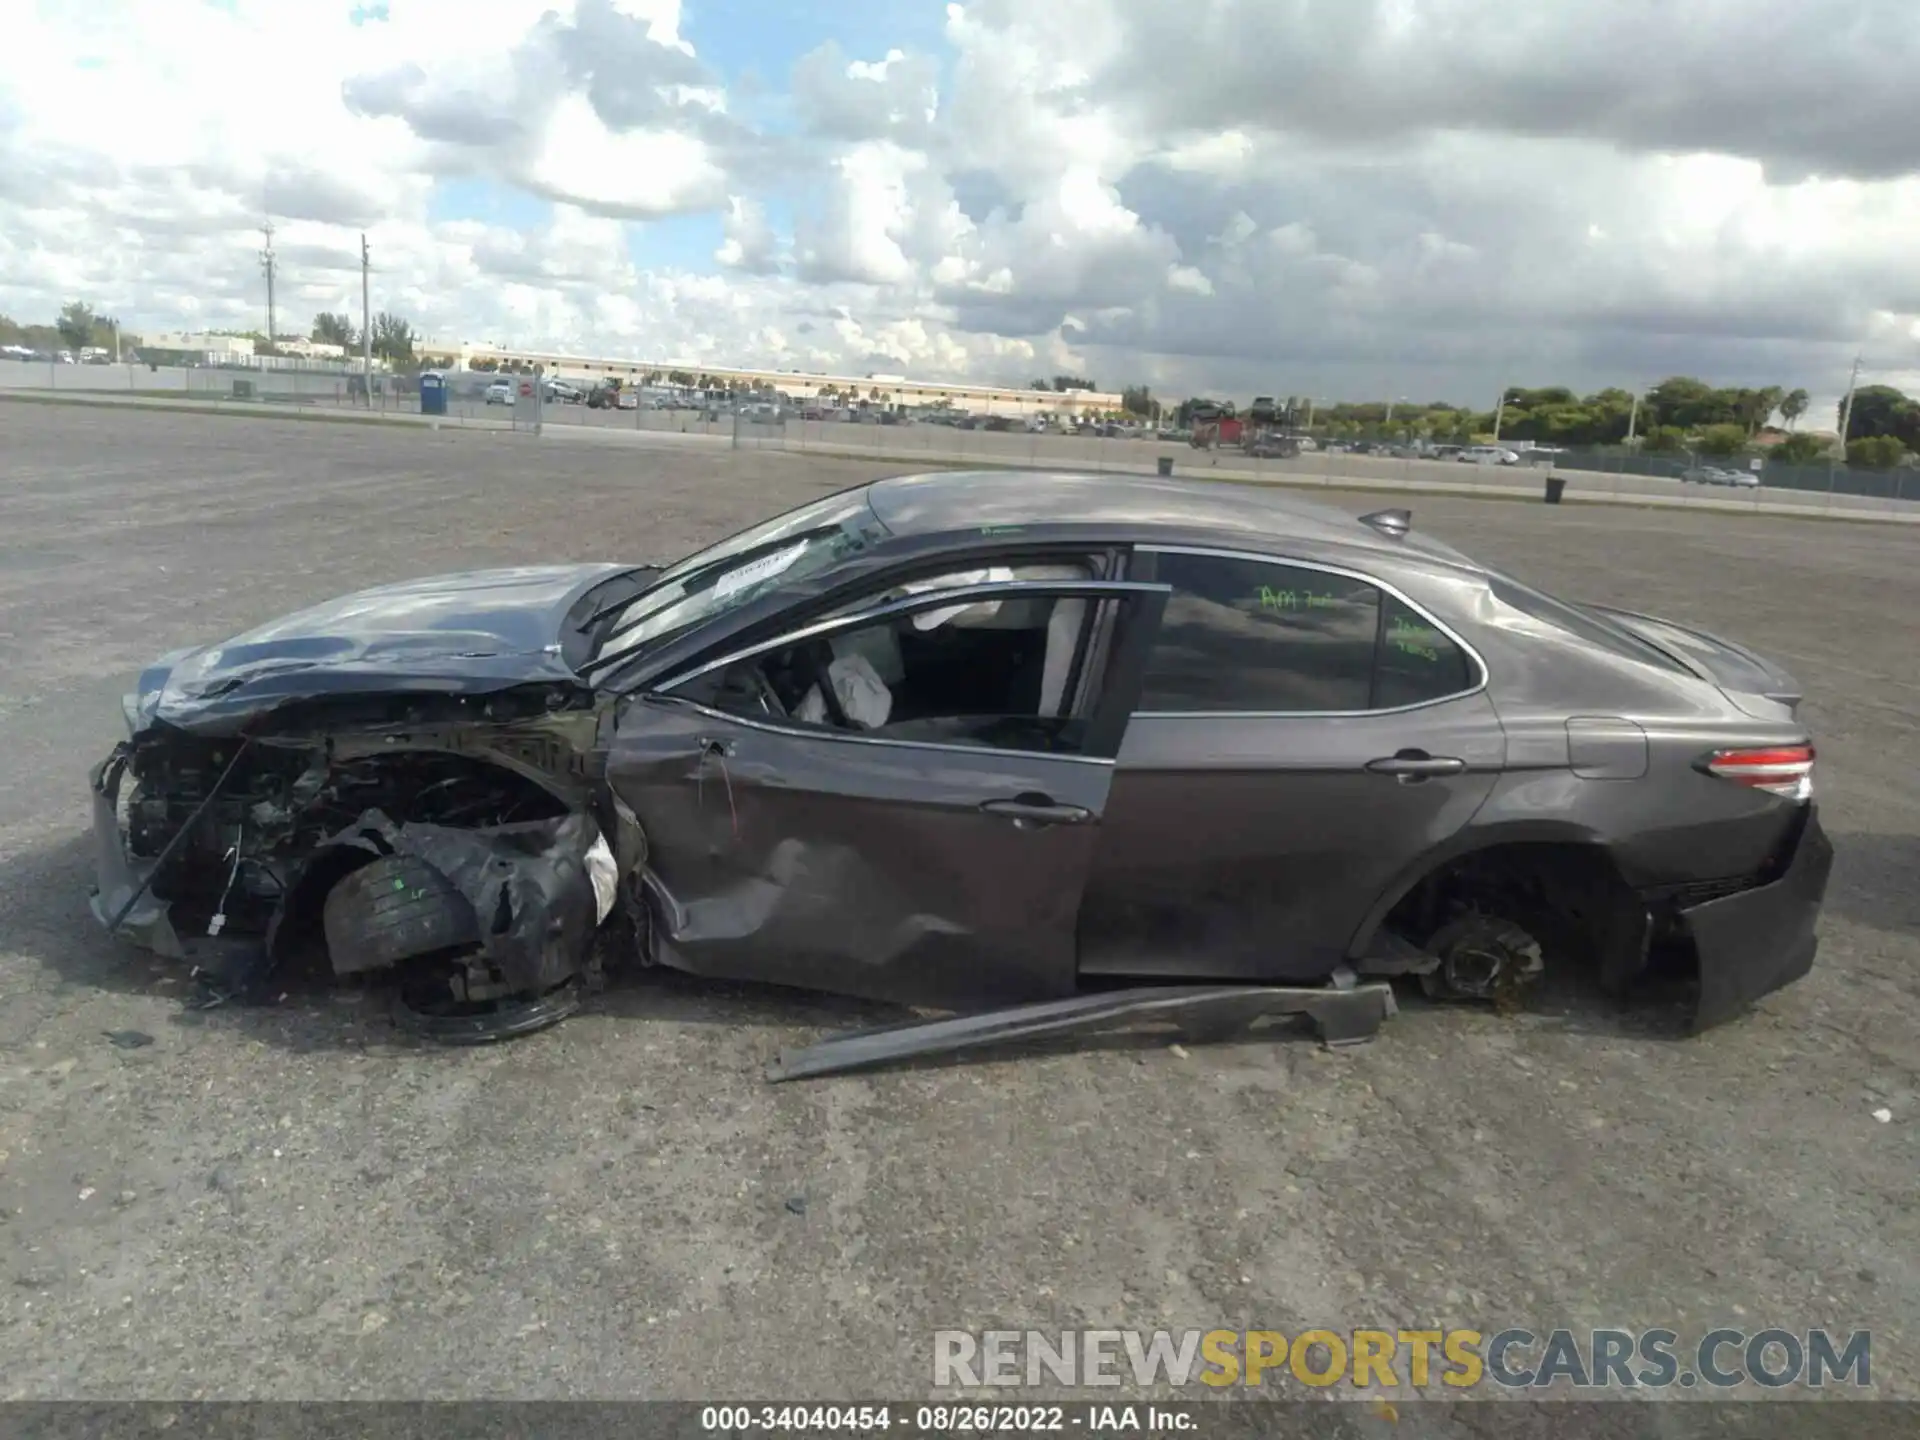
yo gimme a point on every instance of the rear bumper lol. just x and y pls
(1760, 940)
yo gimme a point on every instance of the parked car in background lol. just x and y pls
(1488, 455)
(500, 392)
(1719, 475)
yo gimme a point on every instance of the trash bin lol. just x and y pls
(243, 389)
(1556, 487)
(1166, 464)
(433, 394)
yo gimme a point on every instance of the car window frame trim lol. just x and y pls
(844, 737)
(1345, 572)
(1093, 590)
(910, 564)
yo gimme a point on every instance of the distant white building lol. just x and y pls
(891, 391)
(221, 347)
(311, 349)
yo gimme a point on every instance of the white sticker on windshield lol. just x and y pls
(754, 571)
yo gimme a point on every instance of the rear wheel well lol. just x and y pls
(1568, 895)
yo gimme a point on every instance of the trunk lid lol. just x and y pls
(1735, 669)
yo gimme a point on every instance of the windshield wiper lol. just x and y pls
(745, 557)
(613, 607)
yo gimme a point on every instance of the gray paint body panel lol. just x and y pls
(1606, 748)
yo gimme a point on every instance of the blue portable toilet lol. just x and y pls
(433, 393)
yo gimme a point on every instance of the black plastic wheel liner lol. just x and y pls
(391, 910)
(527, 883)
(498, 1020)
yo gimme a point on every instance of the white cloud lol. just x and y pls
(640, 172)
(1367, 196)
(1185, 277)
(750, 243)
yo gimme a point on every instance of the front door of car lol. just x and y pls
(901, 804)
(1304, 736)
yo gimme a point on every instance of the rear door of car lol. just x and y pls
(924, 861)
(1304, 734)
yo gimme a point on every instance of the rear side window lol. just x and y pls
(1250, 635)
(1417, 662)
(1590, 628)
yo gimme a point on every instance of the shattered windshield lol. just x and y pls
(740, 569)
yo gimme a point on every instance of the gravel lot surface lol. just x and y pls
(295, 1201)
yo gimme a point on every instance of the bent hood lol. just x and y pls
(471, 633)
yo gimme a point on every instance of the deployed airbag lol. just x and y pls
(858, 687)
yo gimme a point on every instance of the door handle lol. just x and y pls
(1037, 812)
(1410, 766)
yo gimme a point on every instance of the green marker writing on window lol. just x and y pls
(1412, 640)
(1281, 601)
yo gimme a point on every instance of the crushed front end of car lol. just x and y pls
(446, 841)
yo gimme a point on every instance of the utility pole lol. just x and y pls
(366, 318)
(1846, 423)
(267, 266)
(1633, 420)
(1846, 410)
(1499, 412)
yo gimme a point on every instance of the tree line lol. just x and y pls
(78, 327)
(1680, 415)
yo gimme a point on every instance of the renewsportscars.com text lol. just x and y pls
(1387, 1360)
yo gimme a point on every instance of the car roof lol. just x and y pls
(1138, 508)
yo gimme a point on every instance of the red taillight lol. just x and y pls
(1779, 770)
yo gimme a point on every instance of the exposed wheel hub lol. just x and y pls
(1483, 957)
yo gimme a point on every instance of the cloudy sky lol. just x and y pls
(1342, 198)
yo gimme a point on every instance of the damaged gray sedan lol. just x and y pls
(1056, 752)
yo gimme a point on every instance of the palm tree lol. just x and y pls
(1757, 407)
(1793, 407)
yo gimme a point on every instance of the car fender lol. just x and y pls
(1475, 836)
